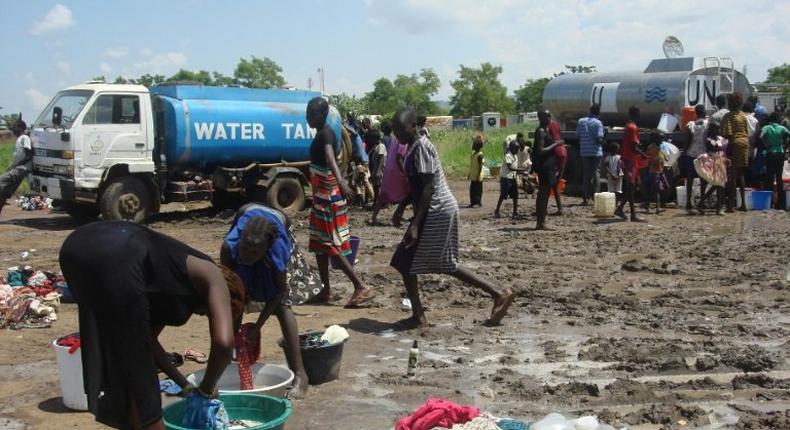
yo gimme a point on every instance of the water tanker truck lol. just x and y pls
(124, 150)
(667, 85)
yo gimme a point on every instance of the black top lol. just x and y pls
(317, 152)
(139, 259)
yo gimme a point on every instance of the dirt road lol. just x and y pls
(678, 323)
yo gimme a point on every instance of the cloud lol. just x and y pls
(117, 53)
(64, 66)
(105, 68)
(160, 63)
(58, 18)
(37, 98)
(535, 39)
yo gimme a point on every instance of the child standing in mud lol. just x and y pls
(476, 162)
(614, 170)
(657, 182)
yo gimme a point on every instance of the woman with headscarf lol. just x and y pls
(129, 283)
(329, 234)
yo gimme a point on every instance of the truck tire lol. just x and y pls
(285, 194)
(81, 212)
(126, 198)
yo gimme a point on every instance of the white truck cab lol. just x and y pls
(93, 151)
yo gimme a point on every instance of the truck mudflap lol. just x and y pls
(188, 191)
(53, 187)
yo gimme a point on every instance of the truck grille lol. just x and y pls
(38, 168)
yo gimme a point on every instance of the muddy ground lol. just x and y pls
(678, 323)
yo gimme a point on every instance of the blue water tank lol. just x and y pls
(209, 126)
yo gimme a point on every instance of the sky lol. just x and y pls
(51, 44)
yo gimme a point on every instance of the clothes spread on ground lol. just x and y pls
(478, 423)
(29, 298)
(248, 350)
(437, 413)
(33, 203)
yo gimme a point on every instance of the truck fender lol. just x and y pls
(271, 174)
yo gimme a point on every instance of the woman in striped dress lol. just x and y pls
(329, 235)
(735, 128)
(430, 244)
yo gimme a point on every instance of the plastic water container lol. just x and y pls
(560, 187)
(761, 200)
(604, 204)
(70, 375)
(270, 412)
(267, 379)
(668, 123)
(355, 240)
(687, 114)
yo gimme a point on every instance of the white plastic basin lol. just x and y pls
(269, 379)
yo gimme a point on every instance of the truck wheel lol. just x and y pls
(126, 198)
(285, 194)
(81, 212)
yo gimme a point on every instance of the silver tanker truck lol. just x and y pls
(667, 85)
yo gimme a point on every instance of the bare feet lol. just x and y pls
(636, 218)
(299, 388)
(542, 227)
(411, 323)
(359, 298)
(501, 305)
(619, 212)
(326, 297)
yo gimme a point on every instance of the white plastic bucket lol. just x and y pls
(70, 373)
(604, 204)
(267, 379)
(668, 123)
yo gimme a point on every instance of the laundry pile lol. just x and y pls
(440, 414)
(33, 203)
(29, 298)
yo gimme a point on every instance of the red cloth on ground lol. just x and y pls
(437, 413)
(248, 349)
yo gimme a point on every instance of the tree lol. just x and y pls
(150, 80)
(779, 74)
(345, 103)
(202, 77)
(412, 91)
(221, 80)
(479, 90)
(577, 69)
(530, 95)
(259, 73)
(99, 79)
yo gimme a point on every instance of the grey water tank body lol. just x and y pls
(666, 85)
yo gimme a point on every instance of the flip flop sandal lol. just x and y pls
(361, 301)
(196, 356)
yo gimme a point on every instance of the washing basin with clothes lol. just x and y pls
(269, 379)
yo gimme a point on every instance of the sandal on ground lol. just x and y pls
(196, 356)
(359, 299)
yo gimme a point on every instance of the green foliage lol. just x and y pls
(259, 73)
(345, 103)
(479, 90)
(145, 80)
(412, 91)
(455, 146)
(779, 74)
(9, 119)
(202, 77)
(99, 79)
(577, 69)
(6, 155)
(530, 95)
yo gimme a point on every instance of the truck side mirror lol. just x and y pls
(65, 137)
(57, 116)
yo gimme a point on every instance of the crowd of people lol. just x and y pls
(130, 282)
(738, 140)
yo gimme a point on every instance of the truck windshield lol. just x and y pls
(71, 101)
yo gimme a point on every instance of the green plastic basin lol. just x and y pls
(272, 412)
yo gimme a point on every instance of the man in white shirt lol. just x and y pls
(20, 165)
